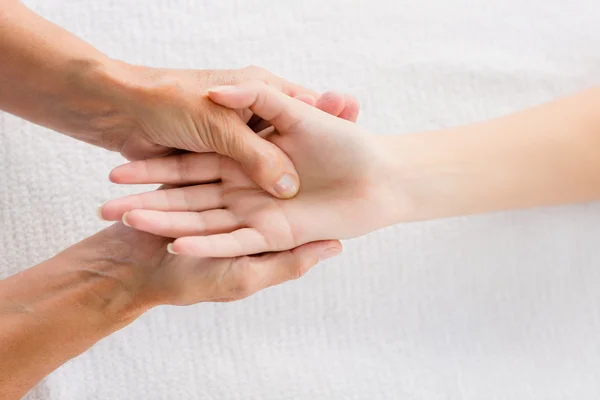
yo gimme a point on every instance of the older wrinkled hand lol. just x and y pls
(170, 110)
(155, 277)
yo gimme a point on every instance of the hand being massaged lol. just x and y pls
(218, 211)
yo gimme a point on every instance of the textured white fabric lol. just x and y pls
(504, 306)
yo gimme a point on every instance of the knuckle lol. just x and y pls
(260, 101)
(245, 283)
(218, 77)
(242, 289)
(298, 270)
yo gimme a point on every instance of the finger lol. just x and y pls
(248, 275)
(332, 103)
(282, 111)
(260, 126)
(179, 224)
(351, 109)
(294, 263)
(245, 241)
(191, 198)
(179, 169)
(265, 163)
(289, 88)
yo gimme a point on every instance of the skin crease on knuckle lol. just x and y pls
(246, 278)
(298, 270)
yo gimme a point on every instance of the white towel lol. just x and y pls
(504, 306)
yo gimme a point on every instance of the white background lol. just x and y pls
(504, 306)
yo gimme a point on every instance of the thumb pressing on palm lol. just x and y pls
(260, 159)
(263, 162)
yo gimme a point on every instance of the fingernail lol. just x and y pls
(286, 187)
(222, 89)
(328, 253)
(170, 248)
(99, 212)
(124, 219)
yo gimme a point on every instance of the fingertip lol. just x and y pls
(318, 251)
(235, 96)
(351, 109)
(333, 244)
(326, 248)
(170, 249)
(269, 167)
(115, 175)
(332, 103)
(124, 220)
(189, 246)
(329, 253)
(109, 212)
(216, 90)
(287, 186)
(99, 212)
(125, 173)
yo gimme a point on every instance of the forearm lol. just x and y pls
(56, 80)
(58, 309)
(548, 155)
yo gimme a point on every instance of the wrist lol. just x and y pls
(412, 183)
(115, 266)
(60, 82)
(55, 311)
(98, 280)
(97, 112)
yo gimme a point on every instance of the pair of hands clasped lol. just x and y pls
(275, 175)
(217, 210)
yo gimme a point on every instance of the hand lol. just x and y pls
(343, 192)
(58, 309)
(141, 263)
(66, 85)
(172, 111)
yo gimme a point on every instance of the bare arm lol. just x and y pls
(54, 79)
(547, 155)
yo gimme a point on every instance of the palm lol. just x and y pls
(335, 185)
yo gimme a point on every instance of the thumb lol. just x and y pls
(282, 111)
(265, 163)
(277, 268)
